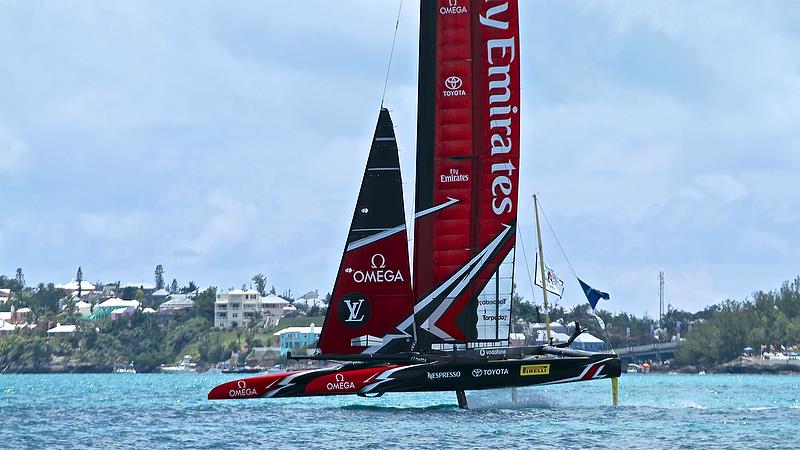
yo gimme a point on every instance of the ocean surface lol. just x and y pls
(171, 411)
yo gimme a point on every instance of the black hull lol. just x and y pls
(442, 375)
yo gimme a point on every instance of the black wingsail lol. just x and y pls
(371, 300)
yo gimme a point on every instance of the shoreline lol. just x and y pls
(768, 367)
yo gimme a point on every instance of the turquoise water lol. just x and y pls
(171, 411)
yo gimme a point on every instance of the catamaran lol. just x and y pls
(445, 326)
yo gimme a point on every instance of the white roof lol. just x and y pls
(24, 310)
(5, 326)
(178, 300)
(161, 293)
(309, 295)
(239, 292)
(5, 291)
(62, 329)
(311, 329)
(588, 338)
(274, 299)
(73, 286)
(557, 337)
(114, 301)
(148, 310)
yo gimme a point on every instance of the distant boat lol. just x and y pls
(184, 366)
(128, 369)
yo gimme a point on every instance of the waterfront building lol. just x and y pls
(589, 342)
(585, 341)
(293, 339)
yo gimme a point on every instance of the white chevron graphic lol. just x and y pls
(474, 266)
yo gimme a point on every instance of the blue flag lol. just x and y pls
(592, 294)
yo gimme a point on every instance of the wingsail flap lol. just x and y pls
(371, 298)
(467, 178)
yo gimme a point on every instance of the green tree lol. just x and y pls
(189, 289)
(128, 293)
(261, 283)
(43, 298)
(173, 287)
(19, 278)
(159, 277)
(79, 279)
(204, 304)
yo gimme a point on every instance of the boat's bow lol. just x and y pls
(253, 387)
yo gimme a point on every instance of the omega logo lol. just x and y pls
(381, 259)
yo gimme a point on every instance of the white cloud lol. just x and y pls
(715, 188)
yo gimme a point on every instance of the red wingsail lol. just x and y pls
(371, 304)
(467, 179)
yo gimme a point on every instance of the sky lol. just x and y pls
(224, 139)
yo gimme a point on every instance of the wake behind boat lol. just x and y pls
(447, 329)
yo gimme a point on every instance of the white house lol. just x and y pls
(176, 302)
(160, 294)
(273, 305)
(6, 328)
(72, 286)
(237, 307)
(81, 307)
